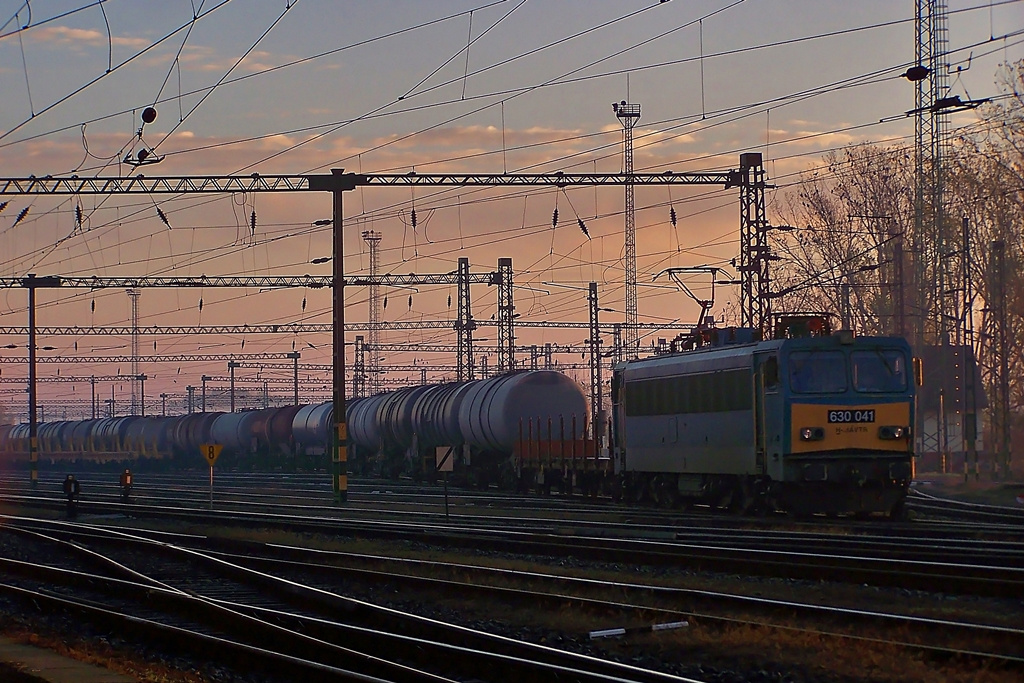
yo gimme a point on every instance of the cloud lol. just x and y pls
(64, 35)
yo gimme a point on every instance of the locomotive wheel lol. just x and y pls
(741, 501)
(665, 491)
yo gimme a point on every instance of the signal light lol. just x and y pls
(812, 433)
(893, 432)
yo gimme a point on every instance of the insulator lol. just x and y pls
(449, 301)
(672, 216)
(94, 305)
(21, 216)
(410, 302)
(583, 227)
(148, 115)
(76, 350)
(200, 305)
(154, 345)
(554, 218)
(243, 343)
(385, 301)
(78, 215)
(412, 217)
(163, 216)
(303, 303)
(252, 223)
(3, 205)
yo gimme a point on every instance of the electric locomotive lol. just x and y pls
(814, 422)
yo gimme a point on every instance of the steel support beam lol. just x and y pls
(506, 317)
(464, 325)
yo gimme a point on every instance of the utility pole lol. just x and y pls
(142, 383)
(191, 398)
(33, 427)
(92, 387)
(295, 355)
(163, 405)
(1000, 418)
(969, 414)
(628, 115)
(231, 372)
(204, 379)
(898, 287)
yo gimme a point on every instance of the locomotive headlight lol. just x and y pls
(812, 433)
(893, 432)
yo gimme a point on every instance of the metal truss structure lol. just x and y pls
(304, 328)
(337, 183)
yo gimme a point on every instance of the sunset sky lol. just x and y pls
(391, 86)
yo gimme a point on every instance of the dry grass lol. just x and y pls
(99, 653)
(982, 491)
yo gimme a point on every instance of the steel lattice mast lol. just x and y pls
(372, 239)
(628, 115)
(134, 295)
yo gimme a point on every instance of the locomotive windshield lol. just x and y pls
(881, 370)
(817, 372)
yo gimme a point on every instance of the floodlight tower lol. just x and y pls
(628, 115)
(372, 238)
(134, 294)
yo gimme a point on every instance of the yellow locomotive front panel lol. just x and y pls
(833, 427)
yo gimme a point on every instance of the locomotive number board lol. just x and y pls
(842, 416)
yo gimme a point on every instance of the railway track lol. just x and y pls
(561, 532)
(634, 604)
(204, 601)
(962, 511)
(904, 560)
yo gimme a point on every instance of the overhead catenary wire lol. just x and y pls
(773, 144)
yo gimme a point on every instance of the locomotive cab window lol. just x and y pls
(771, 374)
(879, 371)
(817, 372)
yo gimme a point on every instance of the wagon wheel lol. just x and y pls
(741, 500)
(665, 491)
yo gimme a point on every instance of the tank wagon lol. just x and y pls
(479, 422)
(817, 423)
(251, 439)
(479, 426)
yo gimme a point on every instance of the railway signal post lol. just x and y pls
(210, 452)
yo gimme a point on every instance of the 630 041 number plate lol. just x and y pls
(844, 416)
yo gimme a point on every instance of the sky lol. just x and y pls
(393, 86)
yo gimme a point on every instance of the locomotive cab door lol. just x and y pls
(767, 415)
